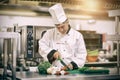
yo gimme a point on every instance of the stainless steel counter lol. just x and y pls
(36, 76)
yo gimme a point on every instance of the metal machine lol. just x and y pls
(30, 36)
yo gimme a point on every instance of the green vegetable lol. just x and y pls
(91, 70)
(93, 52)
(83, 69)
(42, 67)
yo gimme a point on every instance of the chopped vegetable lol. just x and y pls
(83, 69)
(42, 67)
(94, 70)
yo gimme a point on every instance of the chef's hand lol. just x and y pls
(70, 66)
(56, 55)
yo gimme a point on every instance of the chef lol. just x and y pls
(62, 42)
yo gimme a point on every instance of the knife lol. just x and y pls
(63, 63)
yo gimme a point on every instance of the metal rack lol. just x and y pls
(6, 36)
(116, 37)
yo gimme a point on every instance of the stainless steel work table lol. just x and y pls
(36, 76)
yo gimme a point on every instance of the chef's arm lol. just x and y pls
(53, 55)
(47, 53)
(44, 48)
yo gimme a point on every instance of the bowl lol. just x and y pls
(92, 58)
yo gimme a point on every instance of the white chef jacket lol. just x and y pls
(71, 46)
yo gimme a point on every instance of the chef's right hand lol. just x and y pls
(70, 66)
(56, 55)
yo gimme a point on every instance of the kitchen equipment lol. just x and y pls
(30, 36)
(92, 39)
(28, 41)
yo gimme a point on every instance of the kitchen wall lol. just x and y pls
(100, 26)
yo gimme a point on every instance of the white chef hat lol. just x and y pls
(57, 13)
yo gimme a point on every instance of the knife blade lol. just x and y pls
(63, 63)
